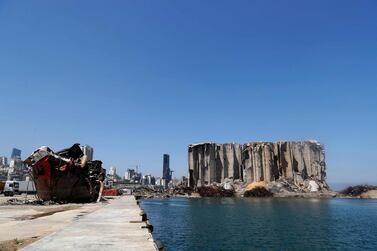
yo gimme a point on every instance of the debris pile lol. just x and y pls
(256, 184)
(355, 191)
(215, 191)
(258, 192)
(182, 190)
(257, 189)
(67, 175)
(26, 201)
(284, 185)
(148, 192)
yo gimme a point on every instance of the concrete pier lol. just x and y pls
(116, 226)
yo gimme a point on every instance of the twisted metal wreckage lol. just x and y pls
(67, 175)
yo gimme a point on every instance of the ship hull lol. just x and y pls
(63, 182)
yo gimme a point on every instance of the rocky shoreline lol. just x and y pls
(258, 191)
(360, 192)
(327, 195)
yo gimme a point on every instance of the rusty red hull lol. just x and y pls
(62, 182)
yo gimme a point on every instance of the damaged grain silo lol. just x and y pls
(294, 161)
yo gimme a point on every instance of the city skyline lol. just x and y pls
(126, 80)
(89, 152)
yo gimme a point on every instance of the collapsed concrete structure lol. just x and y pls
(293, 161)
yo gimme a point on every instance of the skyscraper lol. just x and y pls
(166, 173)
(16, 154)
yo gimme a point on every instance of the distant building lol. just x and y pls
(144, 181)
(88, 151)
(17, 169)
(152, 180)
(148, 180)
(164, 183)
(159, 182)
(4, 168)
(112, 176)
(16, 154)
(113, 171)
(182, 182)
(3, 161)
(129, 174)
(132, 176)
(136, 178)
(166, 172)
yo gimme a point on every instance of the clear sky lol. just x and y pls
(137, 79)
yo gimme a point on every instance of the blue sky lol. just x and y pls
(136, 79)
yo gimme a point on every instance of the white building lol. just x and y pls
(88, 151)
(159, 182)
(112, 171)
(3, 161)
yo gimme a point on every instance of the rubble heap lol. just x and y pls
(215, 191)
(258, 192)
(67, 175)
(357, 191)
(284, 165)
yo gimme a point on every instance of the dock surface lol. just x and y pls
(116, 226)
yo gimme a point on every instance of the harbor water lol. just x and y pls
(263, 224)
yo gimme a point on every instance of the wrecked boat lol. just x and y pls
(67, 175)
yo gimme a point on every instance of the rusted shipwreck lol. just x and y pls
(67, 175)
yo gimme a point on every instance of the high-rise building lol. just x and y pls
(88, 151)
(166, 173)
(16, 154)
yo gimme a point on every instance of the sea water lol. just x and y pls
(263, 223)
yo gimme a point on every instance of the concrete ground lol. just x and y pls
(115, 224)
(23, 224)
